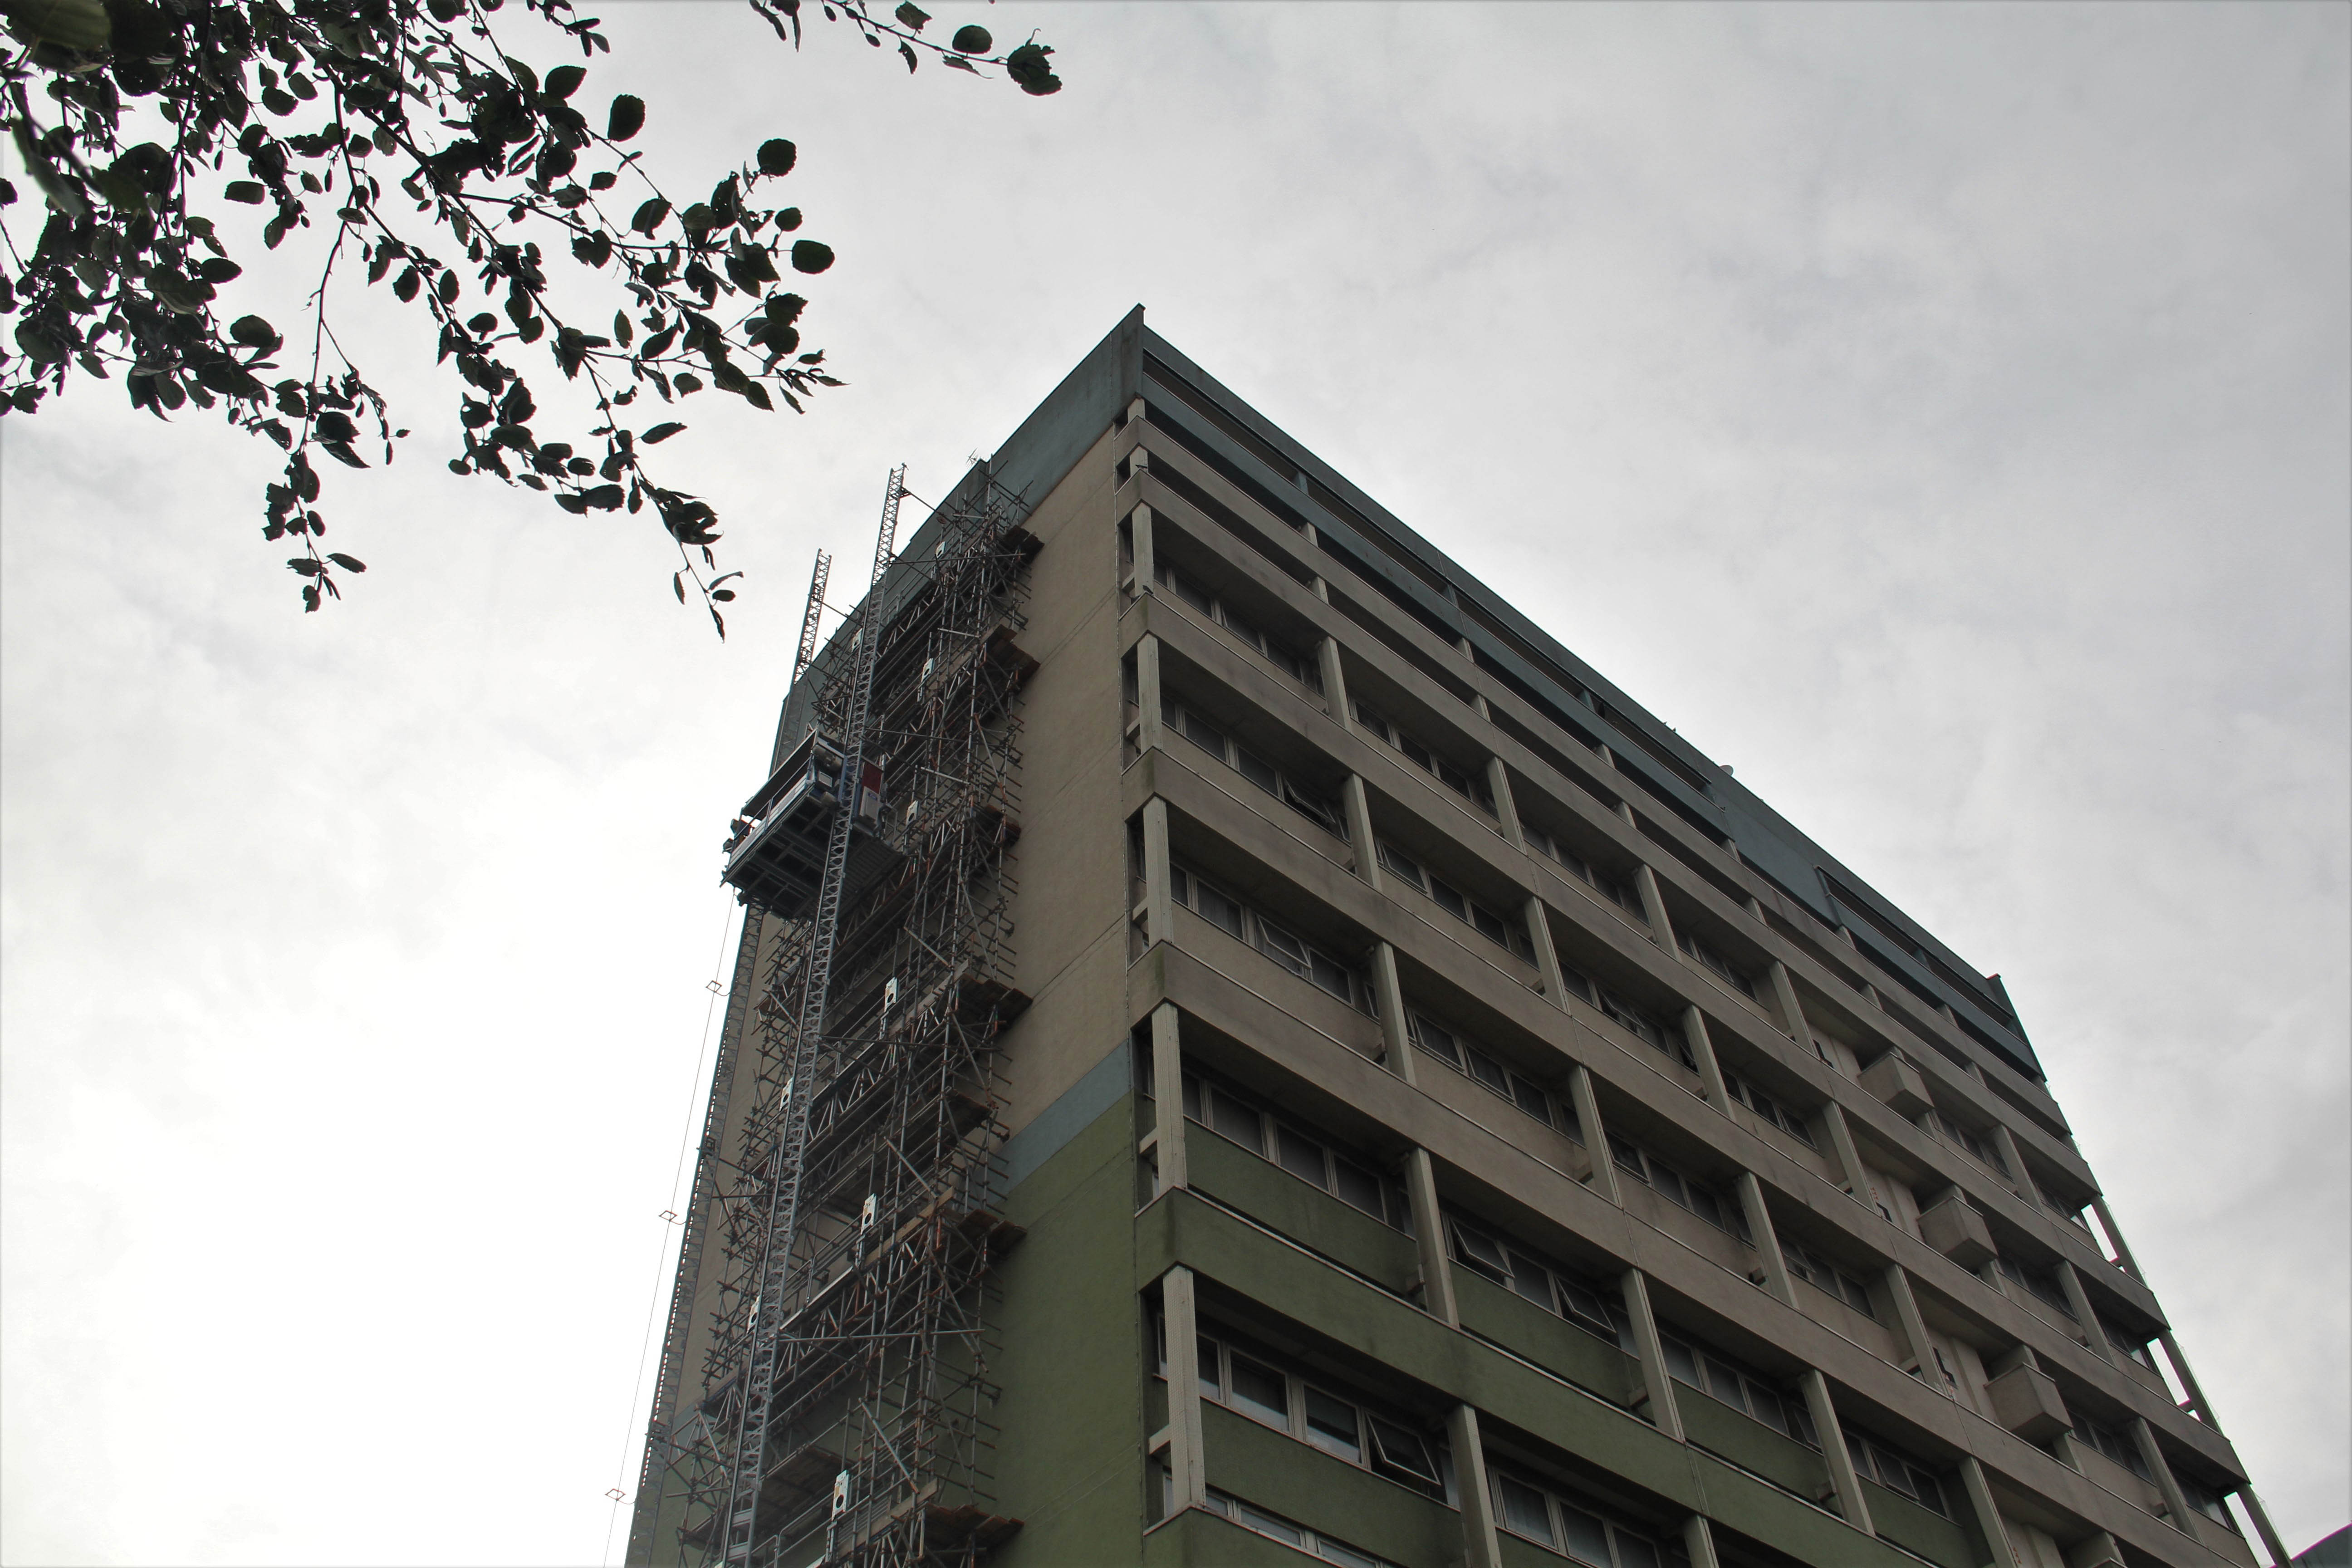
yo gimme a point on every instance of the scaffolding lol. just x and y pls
(854, 1204)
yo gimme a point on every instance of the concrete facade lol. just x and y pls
(1550, 1153)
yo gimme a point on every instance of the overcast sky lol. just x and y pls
(1939, 413)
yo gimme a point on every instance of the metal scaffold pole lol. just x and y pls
(845, 1347)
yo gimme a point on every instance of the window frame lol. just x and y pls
(1301, 667)
(1176, 715)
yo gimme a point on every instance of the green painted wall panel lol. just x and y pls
(1545, 1338)
(1301, 1482)
(1750, 1444)
(1305, 1213)
(1922, 1531)
(1197, 1538)
(1179, 1228)
(1070, 1457)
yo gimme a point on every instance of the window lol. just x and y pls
(1182, 719)
(2041, 1283)
(1769, 1109)
(1460, 779)
(1815, 1270)
(1251, 1518)
(1304, 1153)
(1685, 1191)
(2132, 1345)
(1617, 889)
(1742, 1387)
(1333, 1420)
(1710, 958)
(1635, 1020)
(1502, 929)
(1275, 651)
(1435, 1039)
(1980, 1149)
(1535, 1512)
(1580, 1300)
(2208, 1501)
(1278, 943)
(2115, 1443)
(1897, 1471)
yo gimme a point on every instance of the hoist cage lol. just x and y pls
(845, 1205)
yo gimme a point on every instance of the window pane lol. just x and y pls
(1218, 908)
(1524, 1511)
(1530, 1099)
(1283, 948)
(1669, 1183)
(1400, 1449)
(1192, 1098)
(1188, 591)
(1587, 1537)
(1724, 1383)
(1179, 885)
(1436, 1040)
(1301, 1156)
(1490, 925)
(1331, 1426)
(1765, 1406)
(1489, 1071)
(1238, 1122)
(1531, 1279)
(1329, 975)
(1481, 1253)
(1211, 1384)
(1414, 749)
(1258, 1388)
(1358, 1186)
(1633, 1551)
(1403, 864)
(1859, 1453)
(1266, 1524)
(1257, 770)
(1681, 1363)
(1581, 1301)
(1703, 1203)
(1449, 899)
(1205, 735)
(1627, 1157)
(1331, 1551)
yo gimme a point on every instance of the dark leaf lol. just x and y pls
(777, 157)
(678, 582)
(649, 216)
(604, 497)
(628, 117)
(809, 256)
(405, 285)
(347, 563)
(564, 80)
(722, 593)
(342, 452)
(913, 16)
(254, 333)
(971, 39)
(661, 433)
(1026, 66)
(908, 50)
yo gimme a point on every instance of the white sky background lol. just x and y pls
(1938, 414)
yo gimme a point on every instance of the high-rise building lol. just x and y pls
(1245, 1046)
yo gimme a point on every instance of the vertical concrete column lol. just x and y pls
(1554, 981)
(2187, 1380)
(1653, 906)
(1167, 1097)
(1335, 680)
(1843, 1480)
(1596, 1133)
(1359, 809)
(1147, 695)
(1768, 1243)
(1506, 809)
(2280, 1557)
(1139, 528)
(1784, 995)
(1914, 1328)
(2114, 1233)
(1699, 1542)
(1429, 1238)
(2175, 1499)
(1388, 998)
(1480, 1549)
(1710, 1071)
(2021, 1181)
(2086, 1317)
(1658, 1383)
(1997, 1552)
(1188, 1475)
(1158, 895)
(1849, 1156)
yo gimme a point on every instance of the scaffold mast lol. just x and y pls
(849, 1171)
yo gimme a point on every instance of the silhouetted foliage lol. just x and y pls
(445, 170)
